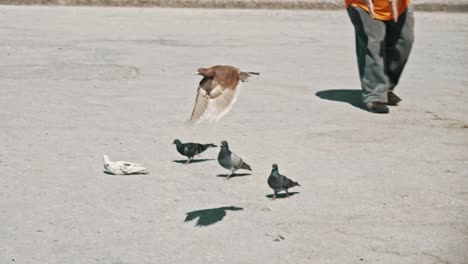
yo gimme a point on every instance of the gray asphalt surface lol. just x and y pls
(419, 5)
(77, 83)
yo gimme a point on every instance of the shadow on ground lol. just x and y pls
(234, 175)
(208, 217)
(130, 174)
(282, 195)
(352, 97)
(193, 161)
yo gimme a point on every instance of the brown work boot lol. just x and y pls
(377, 107)
(393, 99)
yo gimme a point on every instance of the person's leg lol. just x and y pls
(370, 37)
(399, 40)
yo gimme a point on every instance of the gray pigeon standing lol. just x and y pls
(231, 161)
(279, 182)
(191, 149)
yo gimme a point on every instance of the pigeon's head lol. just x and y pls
(274, 166)
(106, 159)
(207, 72)
(176, 141)
(224, 144)
(202, 71)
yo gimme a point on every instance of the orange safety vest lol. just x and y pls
(382, 8)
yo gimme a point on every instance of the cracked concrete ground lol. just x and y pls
(77, 83)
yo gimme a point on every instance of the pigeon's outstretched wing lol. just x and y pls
(212, 101)
(222, 104)
(201, 101)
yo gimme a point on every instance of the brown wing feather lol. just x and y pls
(222, 104)
(201, 101)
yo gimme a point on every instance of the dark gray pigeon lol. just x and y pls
(191, 149)
(231, 161)
(279, 182)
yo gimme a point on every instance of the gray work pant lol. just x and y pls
(382, 49)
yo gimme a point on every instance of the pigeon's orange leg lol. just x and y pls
(274, 196)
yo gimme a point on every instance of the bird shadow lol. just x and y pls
(211, 216)
(352, 97)
(193, 161)
(234, 175)
(281, 195)
(108, 173)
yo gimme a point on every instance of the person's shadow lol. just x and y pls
(208, 217)
(352, 97)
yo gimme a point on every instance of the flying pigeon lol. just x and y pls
(191, 149)
(123, 167)
(231, 161)
(279, 182)
(217, 92)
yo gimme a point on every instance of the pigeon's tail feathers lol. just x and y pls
(244, 76)
(288, 183)
(203, 147)
(246, 166)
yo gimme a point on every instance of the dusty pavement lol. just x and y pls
(77, 83)
(419, 5)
